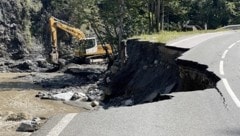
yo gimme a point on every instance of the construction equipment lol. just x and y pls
(88, 50)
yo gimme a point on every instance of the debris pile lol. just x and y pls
(31, 125)
(78, 85)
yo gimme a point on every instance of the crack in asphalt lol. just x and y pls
(223, 98)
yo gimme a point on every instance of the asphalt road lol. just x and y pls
(198, 113)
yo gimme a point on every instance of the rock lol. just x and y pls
(28, 126)
(42, 63)
(94, 103)
(37, 119)
(145, 67)
(94, 94)
(107, 91)
(1, 16)
(43, 95)
(39, 94)
(2, 64)
(62, 62)
(128, 102)
(80, 104)
(80, 96)
(169, 88)
(108, 80)
(2, 29)
(63, 96)
(114, 69)
(23, 66)
(150, 97)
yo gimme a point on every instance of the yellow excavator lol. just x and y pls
(88, 50)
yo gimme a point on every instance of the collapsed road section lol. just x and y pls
(152, 72)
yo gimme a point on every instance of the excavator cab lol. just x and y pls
(85, 47)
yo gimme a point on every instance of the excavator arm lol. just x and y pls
(54, 25)
(89, 48)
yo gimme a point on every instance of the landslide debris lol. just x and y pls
(20, 47)
(25, 37)
(77, 85)
(18, 104)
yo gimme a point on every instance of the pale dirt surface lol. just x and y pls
(18, 96)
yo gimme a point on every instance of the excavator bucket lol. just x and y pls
(54, 57)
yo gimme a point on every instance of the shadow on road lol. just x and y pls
(6, 86)
(230, 132)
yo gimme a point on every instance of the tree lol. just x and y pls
(120, 19)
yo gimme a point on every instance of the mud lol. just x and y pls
(18, 96)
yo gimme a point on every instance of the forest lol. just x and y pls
(113, 21)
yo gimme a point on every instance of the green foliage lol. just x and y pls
(140, 16)
(166, 36)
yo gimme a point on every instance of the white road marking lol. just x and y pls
(221, 68)
(199, 35)
(185, 39)
(225, 82)
(230, 92)
(232, 45)
(224, 54)
(61, 124)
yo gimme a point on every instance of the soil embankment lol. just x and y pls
(152, 71)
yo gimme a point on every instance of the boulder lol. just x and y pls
(94, 103)
(79, 95)
(128, 102)
(63, 96)
(28, 126)
(95, 94)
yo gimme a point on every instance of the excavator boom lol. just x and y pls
(54, 25)
(92, 49)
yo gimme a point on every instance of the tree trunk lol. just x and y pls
(162, 19)
(149, 18)
(153, 10)
(157, 14)
(120, 33)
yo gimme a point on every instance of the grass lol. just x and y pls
(166, 36)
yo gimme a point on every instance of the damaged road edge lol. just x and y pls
(195, 75)
(153, 70)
